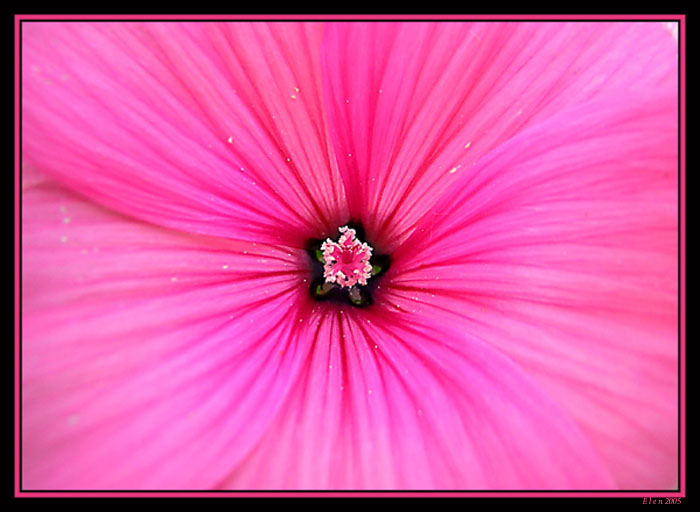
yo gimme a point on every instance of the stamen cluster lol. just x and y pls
(346, 262)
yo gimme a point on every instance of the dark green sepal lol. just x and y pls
(322, 289)
(359, 297)
(380, 264)
(319, 255)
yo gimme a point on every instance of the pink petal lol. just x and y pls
(413, 105)
(560, 248)
(227, 377)
(392, 400)
(215, 129)
(150, 359)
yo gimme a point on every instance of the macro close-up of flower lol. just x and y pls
(364, 255)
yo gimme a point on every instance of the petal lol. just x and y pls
(394, 400)
(216, 129)
(150, 359)
(561, 248)
(413, 105)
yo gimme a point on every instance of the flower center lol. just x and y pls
(340, 270)
(346, 262)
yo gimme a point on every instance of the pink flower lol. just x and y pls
(514, 183)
